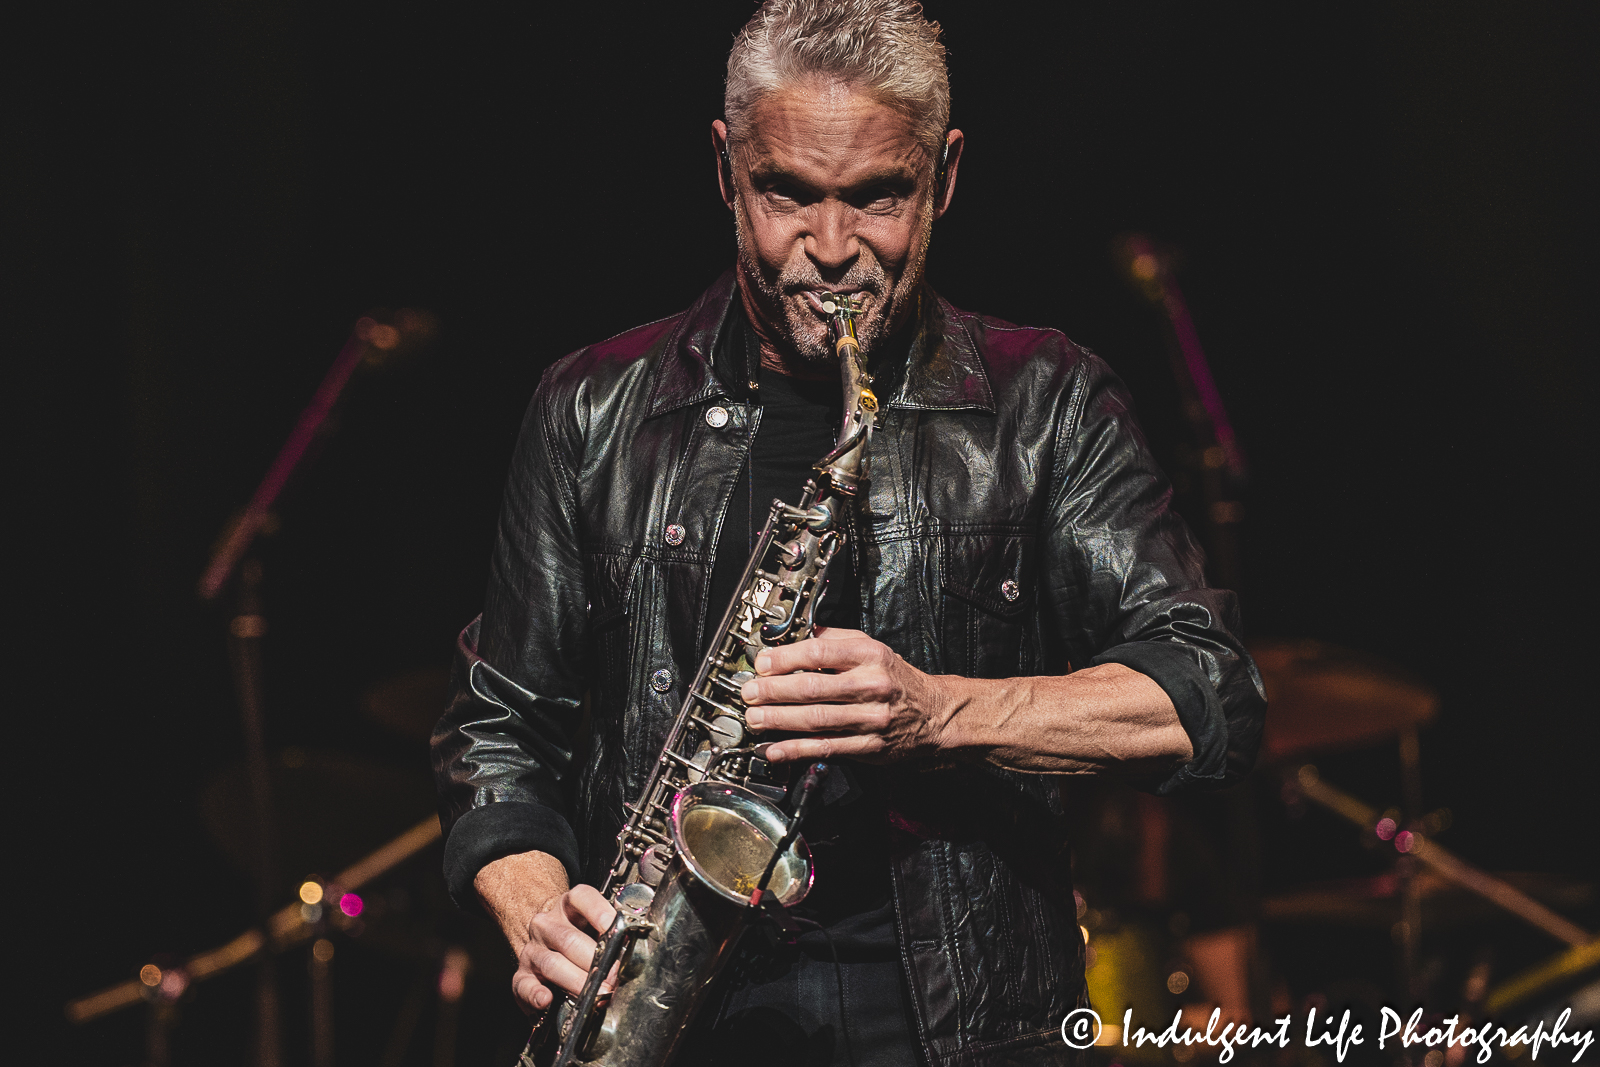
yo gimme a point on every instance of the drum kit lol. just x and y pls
(1429, 883)
(1323, 700)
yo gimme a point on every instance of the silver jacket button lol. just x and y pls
(674, 534)
(661, 681)
(1010, 590)
(717, 417)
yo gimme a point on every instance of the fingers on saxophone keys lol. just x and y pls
(823, 748)
(823, 718)
(812, 748)
(798, 689)
(585, 902)
(800, 656)
(530, 993)
(558, 968)
(835, 649)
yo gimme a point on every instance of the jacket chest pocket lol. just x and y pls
(987, 603)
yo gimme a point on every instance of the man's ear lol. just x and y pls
(719, 144)
(946, 189)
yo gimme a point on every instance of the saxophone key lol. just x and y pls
(652, 865)
(696, 766)
(726, 731)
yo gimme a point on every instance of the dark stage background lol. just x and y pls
(1385, 247)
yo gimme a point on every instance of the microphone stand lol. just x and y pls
(1222, 474)
(246, 627)
(245, 631)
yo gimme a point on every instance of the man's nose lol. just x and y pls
(832, 242)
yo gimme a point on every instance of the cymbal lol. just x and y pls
(1323, 698)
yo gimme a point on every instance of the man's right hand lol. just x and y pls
(557, 953)
(551, 929)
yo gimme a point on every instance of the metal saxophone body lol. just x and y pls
(699, 845)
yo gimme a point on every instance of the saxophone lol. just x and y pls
(706, 840)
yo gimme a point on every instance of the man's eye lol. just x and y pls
(876, 200)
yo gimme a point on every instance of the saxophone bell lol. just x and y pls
(673, 939)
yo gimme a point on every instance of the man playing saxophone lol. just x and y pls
(1012, 600)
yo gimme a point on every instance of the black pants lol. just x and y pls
(780, 1007)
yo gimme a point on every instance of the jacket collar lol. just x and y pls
(683, 373)
(942, 370)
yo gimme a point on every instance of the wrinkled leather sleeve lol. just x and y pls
(1125, 583)
(504, 747)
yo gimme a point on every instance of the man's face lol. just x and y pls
(832, 192)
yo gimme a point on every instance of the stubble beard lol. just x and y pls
(784, 308)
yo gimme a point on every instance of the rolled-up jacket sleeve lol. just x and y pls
(1125, 583)
(503, 749)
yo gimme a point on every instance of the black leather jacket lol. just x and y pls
(1015, 525)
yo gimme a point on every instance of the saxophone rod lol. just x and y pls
(616, 939)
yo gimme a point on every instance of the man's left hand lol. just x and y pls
(874, 706)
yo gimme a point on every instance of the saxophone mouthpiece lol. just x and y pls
(837, 303)
(843, 307)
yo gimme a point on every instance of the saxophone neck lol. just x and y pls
(845, 467)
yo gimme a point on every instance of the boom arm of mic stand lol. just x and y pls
(236, 542)
(1151, 270)
(1205, 387)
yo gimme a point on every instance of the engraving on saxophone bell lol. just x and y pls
(698, 839)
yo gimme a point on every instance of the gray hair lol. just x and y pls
(884, 47)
